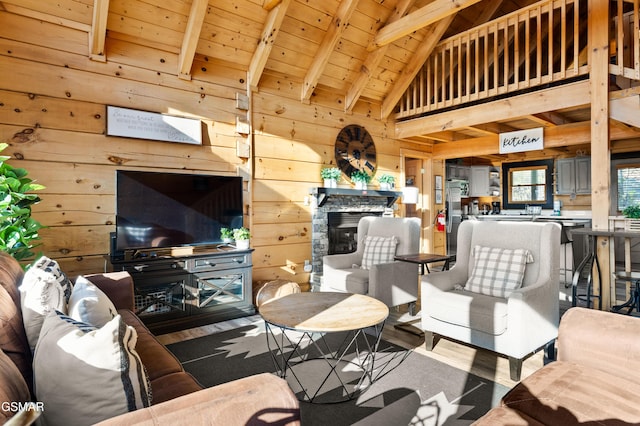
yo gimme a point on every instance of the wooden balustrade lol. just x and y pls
(625, 46)
(540, 45)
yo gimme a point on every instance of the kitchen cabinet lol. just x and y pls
(484, 182)
(573, 176)
(457, 171)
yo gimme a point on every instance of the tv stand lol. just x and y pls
(189, 287)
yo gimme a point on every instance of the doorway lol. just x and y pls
(417, 172)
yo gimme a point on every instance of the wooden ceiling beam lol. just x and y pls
(373, 59)
(560, 97)
(191, 37)
(423, 17)
(492, 128)
(446, 136)
(269, 5)
(337, 26)
(12, 7)
(619, 94)
(557, 137)
(267, 39)
(549, 118)
(431, 39)
(630, 145)
(98, 33)
(626, 110)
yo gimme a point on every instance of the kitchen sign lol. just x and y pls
(522, 140)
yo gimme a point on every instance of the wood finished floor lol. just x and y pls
(480, 362)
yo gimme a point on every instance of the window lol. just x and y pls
(628, 185)
(527, 185)
(528, 182)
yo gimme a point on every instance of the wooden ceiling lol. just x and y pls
(357, 49)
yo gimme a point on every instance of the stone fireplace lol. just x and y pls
(346, 207)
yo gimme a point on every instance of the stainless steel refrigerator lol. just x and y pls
(456, 190)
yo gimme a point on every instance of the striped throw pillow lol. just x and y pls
(497, 272)
(378, 250)
(84, 374)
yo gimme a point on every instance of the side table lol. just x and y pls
(301, 330)
(423, 259)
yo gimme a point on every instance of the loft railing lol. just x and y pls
(625, 46)
(542, 44)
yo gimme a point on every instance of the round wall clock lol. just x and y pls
(355, 150)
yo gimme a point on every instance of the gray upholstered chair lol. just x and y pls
(390, 281)
(513, 322)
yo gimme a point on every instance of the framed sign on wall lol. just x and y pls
(133, 123)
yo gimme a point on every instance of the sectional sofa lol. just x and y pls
(175, 396)
(593, 382)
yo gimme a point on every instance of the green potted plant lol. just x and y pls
(632, 212)
(18, 230)
(241, 235)
(360, 178)
(226, 234)
(631, 215)
(387, 182)
(330, 175)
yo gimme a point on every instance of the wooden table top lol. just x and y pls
(422, 257)
(605, 233)
(324, 311)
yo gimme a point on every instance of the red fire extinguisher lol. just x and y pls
(441, 221)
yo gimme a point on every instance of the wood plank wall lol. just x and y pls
(52, 113)
(293, 142)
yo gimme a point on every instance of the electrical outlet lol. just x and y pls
(307, 266)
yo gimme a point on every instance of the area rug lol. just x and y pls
(408, 388)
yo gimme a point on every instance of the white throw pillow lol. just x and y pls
(84, 374)
(497, 272)
(378, 250)
(44, 288)
(89, 304)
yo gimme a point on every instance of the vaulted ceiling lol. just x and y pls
(361, 50)
(356, 48)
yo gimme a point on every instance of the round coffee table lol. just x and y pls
(324, 343)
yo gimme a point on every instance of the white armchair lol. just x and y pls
(517, 324)
(392, 282)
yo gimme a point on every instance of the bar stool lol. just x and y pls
(634, 298)
(589, 262)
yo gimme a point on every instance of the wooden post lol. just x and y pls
(600, 150)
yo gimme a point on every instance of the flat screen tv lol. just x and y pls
(173, 209)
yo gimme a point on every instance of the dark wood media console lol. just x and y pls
(175, 292)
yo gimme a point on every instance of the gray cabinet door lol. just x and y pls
(583, 175)
(573, 176)
(565, 176)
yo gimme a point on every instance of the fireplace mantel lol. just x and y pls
(322, 194)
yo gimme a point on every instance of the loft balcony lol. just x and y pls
(538, 47)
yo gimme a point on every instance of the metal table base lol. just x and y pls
(320, 370)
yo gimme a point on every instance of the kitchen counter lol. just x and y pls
(528, 218)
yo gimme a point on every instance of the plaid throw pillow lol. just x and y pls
(378, 250)
(497, 272)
